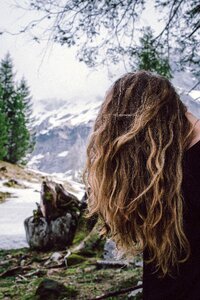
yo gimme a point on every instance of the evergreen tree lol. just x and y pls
(17, 109)
(149, 55)
(3, 129)
(19, 134)
(24, 91)
(8, 90)
(7, 83)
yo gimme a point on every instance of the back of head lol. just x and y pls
(134, 167)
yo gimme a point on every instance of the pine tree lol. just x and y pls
(24, 92)
(19, 134)
(8, 90)
(7, 81)
(3, 129)
(150, 55)
(17, 110)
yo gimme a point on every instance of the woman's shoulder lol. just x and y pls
(196, 139)
(194, 146)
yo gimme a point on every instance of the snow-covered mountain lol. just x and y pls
(63, 128)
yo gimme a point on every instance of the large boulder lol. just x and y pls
(54, 223)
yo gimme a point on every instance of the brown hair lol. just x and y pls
(134, 168)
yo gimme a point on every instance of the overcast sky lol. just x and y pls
(54, 73)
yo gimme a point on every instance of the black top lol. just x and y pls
(186, 285)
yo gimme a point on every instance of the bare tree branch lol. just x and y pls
(117, 293)
(109, 30)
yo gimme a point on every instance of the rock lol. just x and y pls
(37, 234)
(4, 196)
(139, 263)
(54, 222)
(14, 184)
(3, 169)
(56, 257)
(110, 250)
(56, 234)
(113, 256)
(50, 289)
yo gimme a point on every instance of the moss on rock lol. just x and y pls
(75, 259)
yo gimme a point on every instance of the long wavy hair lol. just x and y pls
(134, 168)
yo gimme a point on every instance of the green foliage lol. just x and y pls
(3, 128)
(149, 55)
(75, 259)
(24, 91)
(15, 109)
(82, 281)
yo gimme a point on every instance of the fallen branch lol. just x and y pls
(34, 273)
(112, 263)
(22, 277)
(56, 266)
(13, 271)
(116, 293)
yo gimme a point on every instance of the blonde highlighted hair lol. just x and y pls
(134, 168)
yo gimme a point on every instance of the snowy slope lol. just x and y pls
(72, 112)
(21, 198)
(14, 211)
(62, 130)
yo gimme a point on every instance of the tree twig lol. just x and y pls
(116, 293)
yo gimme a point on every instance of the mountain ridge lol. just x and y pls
(62, 131)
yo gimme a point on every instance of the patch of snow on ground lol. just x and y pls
(14, 211)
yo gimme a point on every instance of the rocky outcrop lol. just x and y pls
(53, 224)
(66, 125)
(110, 250)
